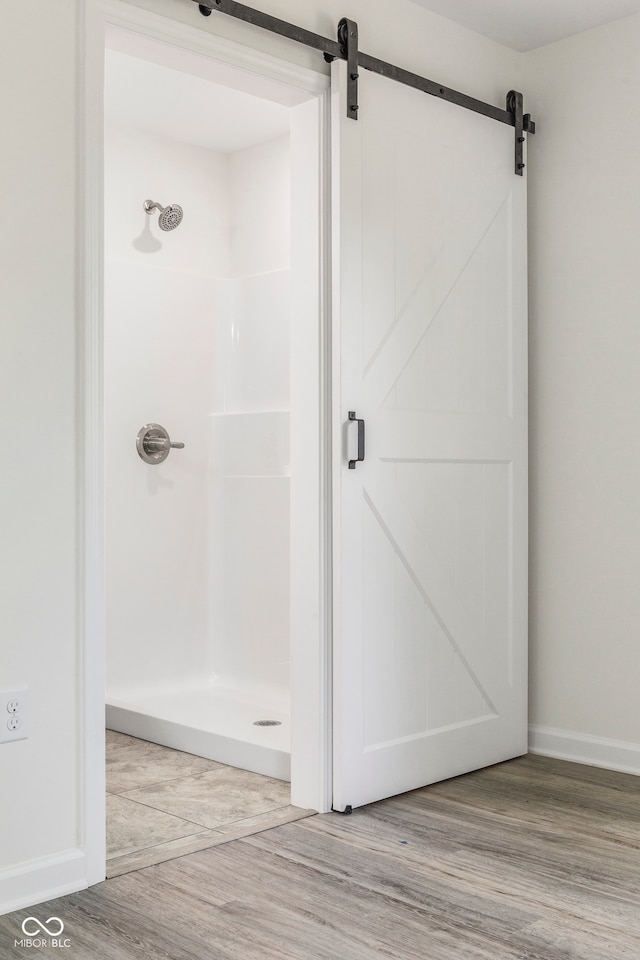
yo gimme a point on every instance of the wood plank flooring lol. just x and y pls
(535, 859)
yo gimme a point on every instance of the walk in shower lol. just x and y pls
(197, 411)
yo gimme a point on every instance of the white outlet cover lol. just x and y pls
(14, 723)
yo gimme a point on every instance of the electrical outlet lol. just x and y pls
(14, 714)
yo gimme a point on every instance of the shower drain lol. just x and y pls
(267, 723)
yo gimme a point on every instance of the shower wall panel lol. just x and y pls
(157, 516)
(260, 208)
(252, 359)
(160, 333)
(251, 495)
(141, 165)
(250, 429)
(197, 338)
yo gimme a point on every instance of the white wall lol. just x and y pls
(585, 393)
(41, 641)
(160, 328)
(39, 815)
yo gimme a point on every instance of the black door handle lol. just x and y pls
(352, 463)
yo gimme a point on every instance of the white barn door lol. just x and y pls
(430, 535)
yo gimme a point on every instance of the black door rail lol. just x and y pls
(346, 48)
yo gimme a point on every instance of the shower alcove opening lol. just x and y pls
(211, 330)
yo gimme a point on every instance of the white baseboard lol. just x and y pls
(43, 879)
(584, 748)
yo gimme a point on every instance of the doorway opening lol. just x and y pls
(213, 449)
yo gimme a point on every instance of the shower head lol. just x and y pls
(170, 217)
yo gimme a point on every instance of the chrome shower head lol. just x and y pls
(170, 217)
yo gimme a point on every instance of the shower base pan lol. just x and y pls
(210, 721)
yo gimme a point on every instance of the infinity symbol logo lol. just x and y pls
(42, 926)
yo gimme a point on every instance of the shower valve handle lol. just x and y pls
(154, 444)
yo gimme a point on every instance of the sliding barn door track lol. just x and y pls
(346, 48)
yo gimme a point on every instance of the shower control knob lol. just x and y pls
(153, 443)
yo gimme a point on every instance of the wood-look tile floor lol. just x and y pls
(163, 803)
(534, 859)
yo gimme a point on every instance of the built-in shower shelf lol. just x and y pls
(250, 413)
(256, 476)
(251, 444)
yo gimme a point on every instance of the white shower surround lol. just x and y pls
(197, 337)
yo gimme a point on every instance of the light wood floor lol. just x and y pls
(534, 859)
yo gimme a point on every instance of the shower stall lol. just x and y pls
(197, 419)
